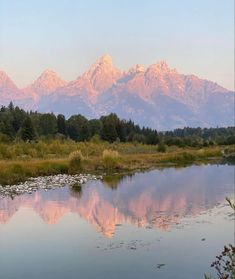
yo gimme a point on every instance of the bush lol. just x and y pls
(4, 138)
(110, 159)
(161, 147)
(187, 157)
(75, 160)
(95, 139)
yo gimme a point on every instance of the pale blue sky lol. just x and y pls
(194, 36)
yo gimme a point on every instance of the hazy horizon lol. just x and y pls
(196, 39)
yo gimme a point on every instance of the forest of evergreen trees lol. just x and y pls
(15, 123)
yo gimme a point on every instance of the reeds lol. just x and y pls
(21, 160)
(110, 159)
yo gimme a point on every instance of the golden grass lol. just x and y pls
(25, 160)
(110, 159)
(15, 171)
(75, 161)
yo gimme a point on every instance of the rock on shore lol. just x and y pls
(46, 183)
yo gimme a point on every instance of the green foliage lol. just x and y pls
(109, 128)
(16, 171)
(152, 138)
(77, 127)
(161, 147)
(61, 124)
(4, 138)
(27, 130)
(47, 124)
(139, 138)
(94, 127)
(230, 140)
(95, 139)
(110, 125)
(45, 157)
(187, 157)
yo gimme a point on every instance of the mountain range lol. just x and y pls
(158, 96)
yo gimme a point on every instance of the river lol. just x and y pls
(164, 223)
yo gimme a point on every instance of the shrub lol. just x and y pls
(184, 157)
(95, 139)
(161, 147)
(4, 138)
(110, 159)
(75, 160)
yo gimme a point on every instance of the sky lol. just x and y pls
(67, 36)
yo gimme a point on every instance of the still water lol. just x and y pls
(166, 224)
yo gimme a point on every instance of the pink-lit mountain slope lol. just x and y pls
(158, 96)
(8, 90)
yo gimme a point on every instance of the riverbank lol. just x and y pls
(119, 157)
(46, 183)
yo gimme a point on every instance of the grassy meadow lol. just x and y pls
(21, 160)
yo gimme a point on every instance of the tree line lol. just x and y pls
(16, 123)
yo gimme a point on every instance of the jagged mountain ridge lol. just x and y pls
(158, 97)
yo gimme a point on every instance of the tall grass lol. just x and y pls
(110, 159)
(21, 160)
(49, 149)
(76, 161)
(16, 171)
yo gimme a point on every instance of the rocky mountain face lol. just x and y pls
(158, 96)
(9, 91)
(47, 83)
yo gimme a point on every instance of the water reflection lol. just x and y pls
(157, 199)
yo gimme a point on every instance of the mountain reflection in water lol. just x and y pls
(157, 199)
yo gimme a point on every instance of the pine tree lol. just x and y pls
(61, 124)
(48, 124)
(27, 130)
